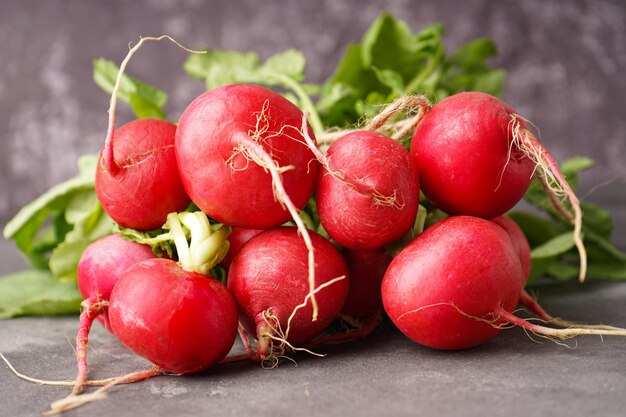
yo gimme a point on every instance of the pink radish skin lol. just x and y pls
(181, 321)
(102, 263)
(467, 163)
(458, 272)
(520, 243)
(211, 139)
(367, 268)
(238, 237)
(99, 268)
(269, 275)
(141, 185)
(372, 167)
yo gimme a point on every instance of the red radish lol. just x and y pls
(460, 268)
(102, 263)
(268, 279)
(476, 157)
(522, 247)
(238, 237)
(367, 268)
(520, 243)
(367, 191)
(182, 321)
(139, 185)
(99, 268)
(455, 285)
(168, 312)
(215, 151)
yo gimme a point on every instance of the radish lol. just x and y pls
(172, 313)
(367, 191)
(455, 285)
(476, 157)
(137, 181)
(99, 268)
(521, 246)
(268, 279)
(215, 146)
(238, 237)
(366, 268)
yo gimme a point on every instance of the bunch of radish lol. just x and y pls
(248, 160)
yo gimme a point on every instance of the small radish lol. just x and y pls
(99, 268)
(268, 279)
(455, 286)
(172, 313)
(476, 157)
(137, 180)
(367, 191)
(366, 268)
(102, 263)
(522, 247)
(216, 143)
(238, 237)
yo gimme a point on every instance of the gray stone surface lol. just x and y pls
(565, 61)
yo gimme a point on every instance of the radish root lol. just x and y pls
(531, 303)
(413, 106)
(560, 334)
(73, 401)
(90, 311)
(107, 155)
(553, 181)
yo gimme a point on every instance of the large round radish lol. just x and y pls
(444, 287)
(367, 192)
(268, 279)
(180, 320)
(367, 268)
(467, 161)
(137, 180)
(219, 167)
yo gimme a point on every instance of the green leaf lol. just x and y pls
(290, 63)
(145, 100)
(490, 82)
(474, 54)
(555, 246)
(34, 292)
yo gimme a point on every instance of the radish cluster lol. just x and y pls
(247, 158)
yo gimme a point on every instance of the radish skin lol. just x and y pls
(367, 190)
(193, 327)
(460, 269)
(268, 279)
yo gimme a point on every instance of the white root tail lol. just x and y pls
(554, 182)
(108, 158)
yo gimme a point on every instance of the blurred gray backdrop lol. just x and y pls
(566, 63)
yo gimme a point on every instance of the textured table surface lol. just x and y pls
(384, 375)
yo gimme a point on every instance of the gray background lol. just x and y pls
(566, 62)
